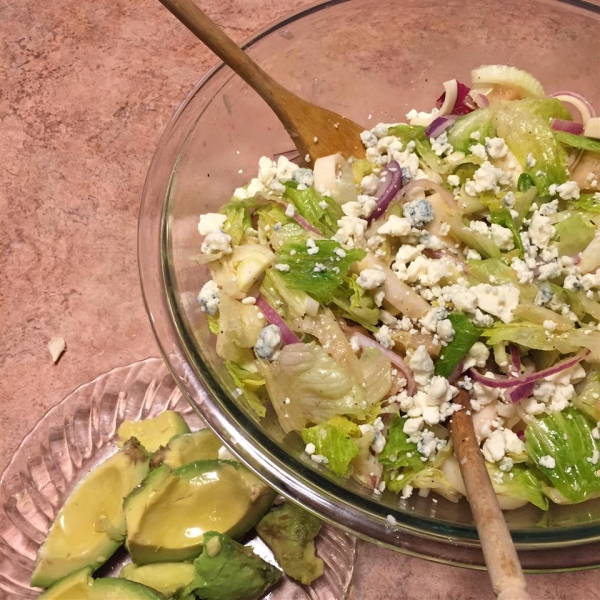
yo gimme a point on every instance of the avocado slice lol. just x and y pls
(187, 448)
(168, 514)
(115, 588)
(73, 587)
(167, 578)
(91, 524)
(227, 570)
(290, 532)
(153, 433)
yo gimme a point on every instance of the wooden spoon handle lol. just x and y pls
(499, 551)
(226, 49)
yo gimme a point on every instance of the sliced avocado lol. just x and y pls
(91, 524)
(167, 578)
(153, 433)
(73, 587)
(227, 570)
(115, 588)
(187, 448)
(289, 531)
(169, 513)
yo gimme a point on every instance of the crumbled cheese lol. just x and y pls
(268, 342)
(303, 177)
(444, 330)
(369, 279)
(486, 178)
(211, 222)
(500, 443)
(282, 267)
(567, 191)
(407, 491)
(500, 301)
(290, 210)
(351, 232)
(209, 298)
(548, 462)
(502, 237)
(216, 241)
(363, 206)
(311, 246)
(477, 356)
(549, 325)
(496, 147)
(310, 449)
(368, 139)
(440, 144)
(419, 212)
(541, 230)
(524, 273)
(421, 365)
(384, 336)
(395, 226)
(453, 180)
(369, 184)
(530, 161)
(478, 150)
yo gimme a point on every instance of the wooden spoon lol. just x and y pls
(315, 131)
(499, 551)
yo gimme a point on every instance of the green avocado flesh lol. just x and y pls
(91, 524)
(153, 433)
(167, 578)
(169, 513)
(227, 570)
(289, 531)
(74, 587)
(187, 448)
(113, 588)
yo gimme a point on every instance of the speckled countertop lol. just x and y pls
(87, 88)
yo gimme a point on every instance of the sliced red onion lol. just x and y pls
(528, 380)
(480, 100)
(459, 92)
(515, 358)
(365, 341)
(302, 221)
(438, 126)
(521, 392)
(586, 110)
(568, 126)
(456, 373)
(391, 183)
(287, 335)
(521, 434)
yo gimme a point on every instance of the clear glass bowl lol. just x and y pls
(369, 60)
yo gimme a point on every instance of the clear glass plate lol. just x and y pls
(78, 434)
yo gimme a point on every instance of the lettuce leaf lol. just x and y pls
(479, 121)
(356, 304)
(317, 274)
(465, 335)
(334, 444)
(586, 202)
(532, 335)
(459, 230)
(567, 437)
(526, 132)
(580, 304)
(578, 141)
(250, 382)
(376, 375)
(307, 387)
(574, 234)
(321, 211)
(238, 218)
(520, 483)
(588, 401)
(546, 108)
(276, 227)
(290, 304)
(407, 133)
(398, 451)
(480, 271)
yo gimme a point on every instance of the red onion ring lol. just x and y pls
(565, 97)
(287, 335)
(461, 105)
(568, 126)
(520, 393)
(365, 341)
(515, 358)
(438, 126)
(387, 191)
(456, 373)
(301, 220)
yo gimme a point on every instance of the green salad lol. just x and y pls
(355, 298)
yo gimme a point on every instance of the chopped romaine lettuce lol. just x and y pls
(213, 323)
(546, 108)
(315, 386)
(465, 335)
(519, 483)
(525, 182)
(586, 203)
(320, 273)
(407, 133)
(321, 211)
(502, 217)
(574, 455)
(574, 234)
(334, 444)
(484, 245)
(275, 227)
(580, 304)
(250, 382)
(290, 304)
(532, 335)
(239, 326)
(480, 271)
(376, 374)
(523, 201)
(238, 220)
(479, 121)
(578, 141)
(588, 400)
(356, 303)
(399, 452)
(361, 168)
(526, 132)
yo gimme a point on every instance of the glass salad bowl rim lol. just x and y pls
(425, 537)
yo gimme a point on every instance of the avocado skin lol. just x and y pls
(187, 448)
(233, 573)
(69, 584)
(115, 588)
(290, 532)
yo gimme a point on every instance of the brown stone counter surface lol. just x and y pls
(87, 88)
